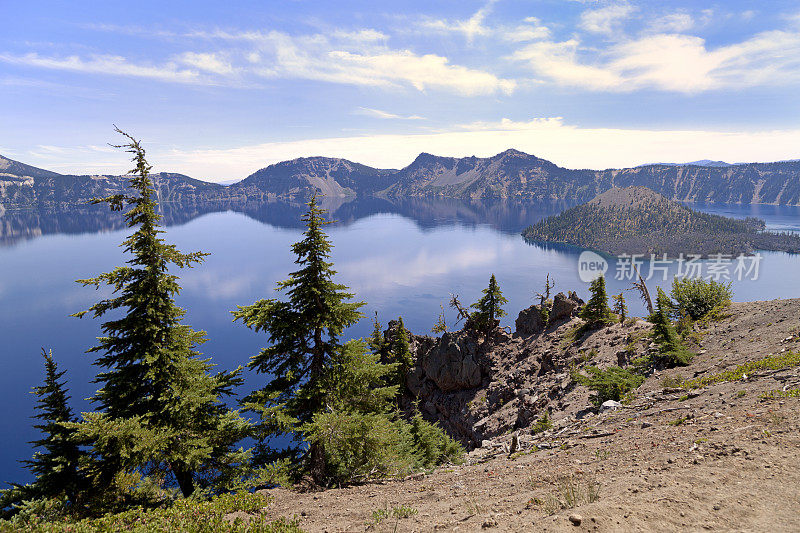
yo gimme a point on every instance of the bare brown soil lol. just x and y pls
(717, 458)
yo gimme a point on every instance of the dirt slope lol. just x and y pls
(713, 458)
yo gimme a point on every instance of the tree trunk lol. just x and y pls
(184, 477)
(317, 466)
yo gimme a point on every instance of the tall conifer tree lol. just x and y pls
(304, 333)
(489, 307)
(160, 406)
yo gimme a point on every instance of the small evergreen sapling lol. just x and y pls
(400, 353)
(441, 323)
(489, 308)
(377, 343)
(57, 463)
(671, 348)
(620, 308)
(596, 312)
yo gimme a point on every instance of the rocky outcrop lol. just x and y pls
(531, 321)
(482, 387)
(452, 363)
(565, 307)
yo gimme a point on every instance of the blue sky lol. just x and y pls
(217, 91)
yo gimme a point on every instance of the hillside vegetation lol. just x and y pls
(636, 220)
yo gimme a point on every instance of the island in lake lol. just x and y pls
(637, 220)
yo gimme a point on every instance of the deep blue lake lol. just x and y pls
(402, 259)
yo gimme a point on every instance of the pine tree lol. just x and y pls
(377, 343)
(620, 308)
(160, 408)
(400, 353)
(671, 347)
(56, 466)
(304, 335)
(488, 308)
(596, 311)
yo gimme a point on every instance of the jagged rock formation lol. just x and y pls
(477, 388)
(565, 307)
(511, 174)
(531, 321)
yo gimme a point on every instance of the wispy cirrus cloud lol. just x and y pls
(607, 20)
(531, 28)
(358, 57)
(107, 64)
(378, 113)
(472, 27)
(207, 62)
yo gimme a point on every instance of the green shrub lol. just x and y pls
(780, 393)
(361, 446)
(543, 424)
(609, 384)
(431, 445)
(183, 515)
(771, 362)
(696, 297)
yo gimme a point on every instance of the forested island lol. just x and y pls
(637, 220)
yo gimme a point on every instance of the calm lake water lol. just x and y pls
(402, 259)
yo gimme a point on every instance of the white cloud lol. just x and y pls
(606, 20)
(359, 57)
(365, 36)
(377, 113)
(206, 62)
(524, 32)
(559, 62)
(470, 28)
(106, 64)
(532, 29)
(550, 138)
(316, 58)
(677, 22)
(669, 62)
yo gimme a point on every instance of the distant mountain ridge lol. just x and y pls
(510, 175)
